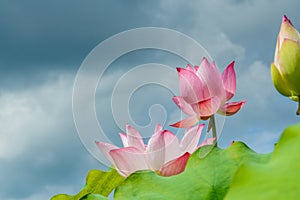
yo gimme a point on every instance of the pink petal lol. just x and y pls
(191, 86)
(124, 139)
(231, 108)
(208, 141)
(186, 123)
(172, 149)
(158, 128)
(183, 105)
(286, 19)
(155, 151)
(287, 31)
(175, 166)
(134, 138)
(210, 75)
(105, 148)
(207, 107)
(229, 81)
(128, 160)
(191, 138)
(190, 68)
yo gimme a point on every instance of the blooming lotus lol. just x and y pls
(163, 154)
(205, 92)
(285, 70)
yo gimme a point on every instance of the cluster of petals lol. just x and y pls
(164, 154)
(204, 92)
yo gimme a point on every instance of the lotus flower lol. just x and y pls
(205, 92)
(285, 70)
(163, 154)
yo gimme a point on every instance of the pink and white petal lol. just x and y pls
(191, 138)
(231, 108)
(229, 81)
(105, 148)
(129, 159)
(186, 123)
(287, 31)
(210, 75)
(207, 107)
(158, 128)
(124, 139)
(172, 149)
(190, 86)
(134, 138)
(183, 105)
(155, 152)
(190, 68)
(208, 141)
(175, 166)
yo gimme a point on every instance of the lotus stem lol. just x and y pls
(298, 111)
(214, 129)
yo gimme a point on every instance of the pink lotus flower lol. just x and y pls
(205, 91)
(163, 154)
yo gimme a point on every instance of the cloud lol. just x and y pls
(135, 100)
(60, 32)
(39, 147)
(26, 111)
(250, 84)
(44, 44)
(217, 23)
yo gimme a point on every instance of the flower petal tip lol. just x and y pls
(243, 102)
(204, 59)
(231, 108)
(175, 166)
(231, 64)
(201, 126)
(186, 123)
(286, 19)
(176, 125)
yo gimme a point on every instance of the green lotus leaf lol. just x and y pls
(205, 177)
(99, 184)
(94, 197)
(276, 179)
(233, 173)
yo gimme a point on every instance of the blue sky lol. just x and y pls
(44, 43)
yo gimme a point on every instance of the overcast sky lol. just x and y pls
(43, 43)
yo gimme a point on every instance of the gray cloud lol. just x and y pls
(35, 32)
(247, 24)
(43, 44)
(39, 145)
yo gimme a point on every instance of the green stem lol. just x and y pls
(298, 111)
(214, 129)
